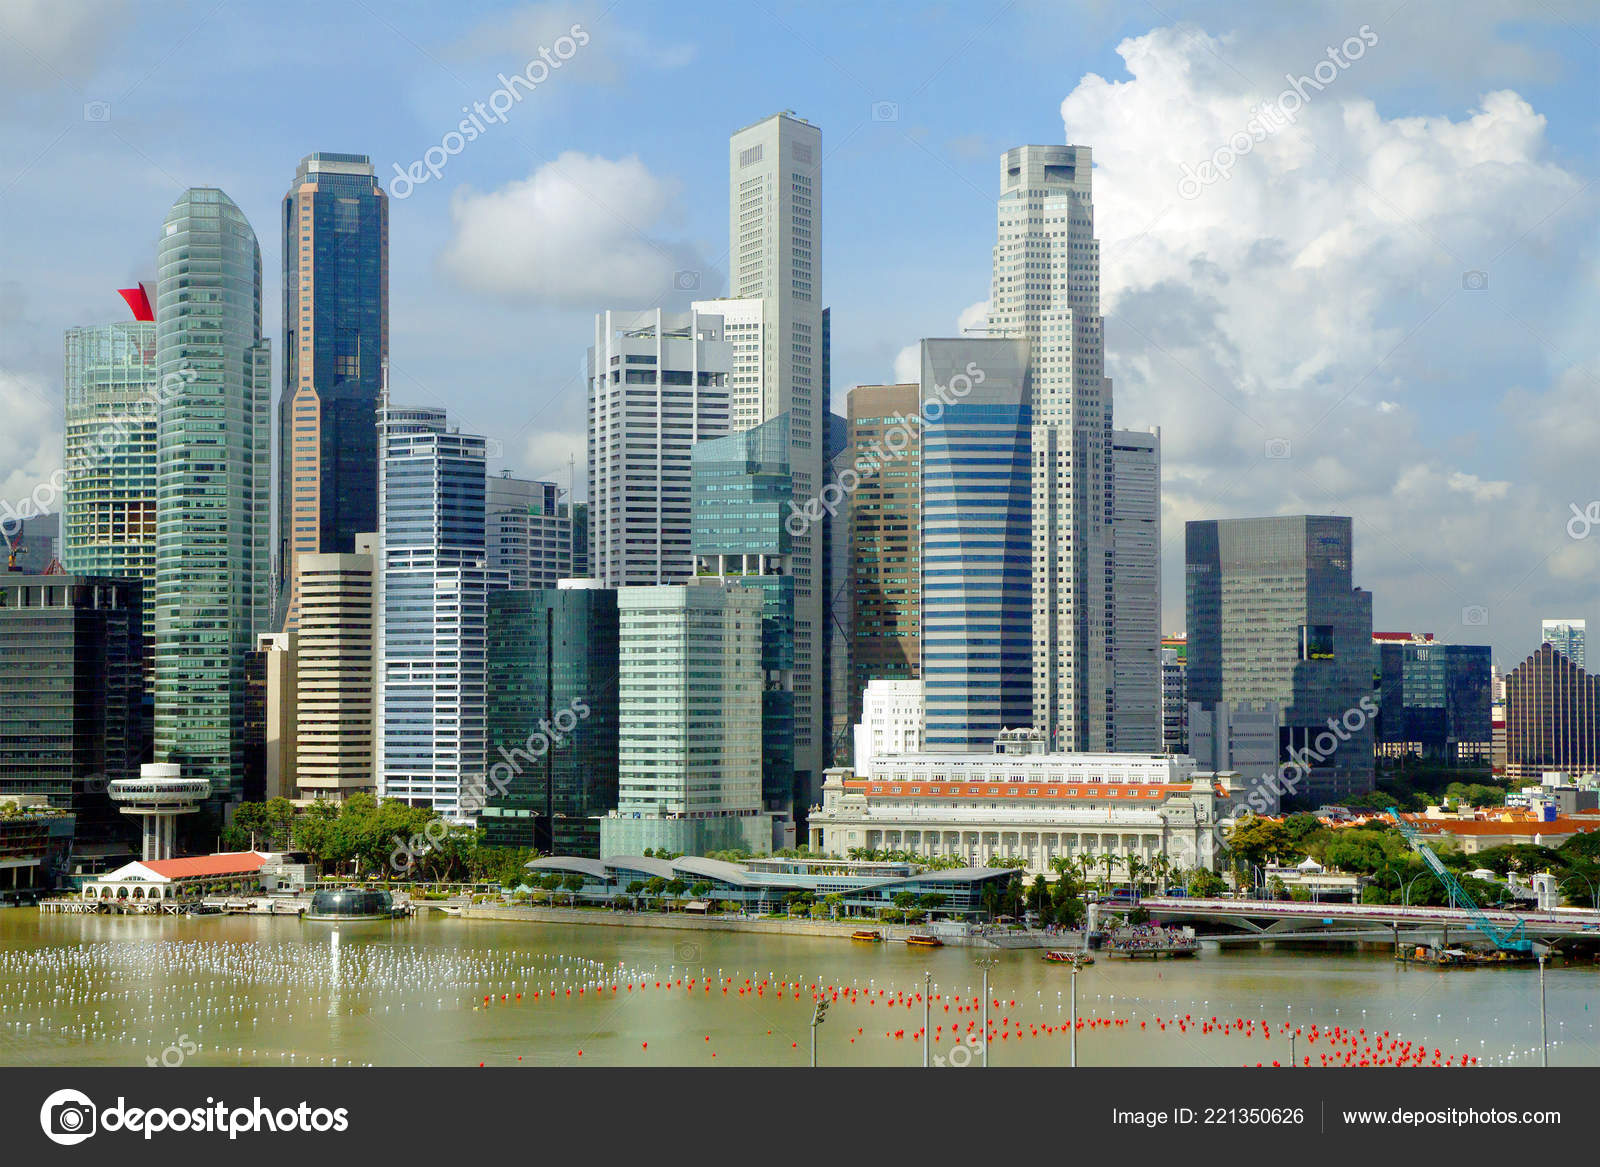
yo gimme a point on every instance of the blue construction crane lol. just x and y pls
(1515, 940)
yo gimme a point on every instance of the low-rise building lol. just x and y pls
(1032, 807)
(959, 891)
(149, 885)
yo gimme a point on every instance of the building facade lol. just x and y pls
(336, 679)
(1552, 716)
(335, 350)
(885, 523)
(1273, 616)
(108, 509)
(742, 489)
(1136, 722)
(1566, 637)
(976, 589)
(1434, 701)
(890, 725)
(213, 469)
(530, 531)
(552, 718)
(1106, 809)
(1046, 291)
(71, 686)
(433, 601)
(1174, 702)
(1240, 737)
(689, 721)
(658, 383)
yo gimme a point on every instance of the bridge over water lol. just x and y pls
(1252, 921)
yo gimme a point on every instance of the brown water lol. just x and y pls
(116, 990)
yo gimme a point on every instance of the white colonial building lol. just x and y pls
(1030, 806)
(891, 722)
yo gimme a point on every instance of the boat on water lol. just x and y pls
(1061, 956)
(867, 935)
(922, 940)
(1462, 957)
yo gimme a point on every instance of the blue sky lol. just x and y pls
(1317, 297)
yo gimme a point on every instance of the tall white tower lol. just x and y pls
(780, 365)
(1047, 290)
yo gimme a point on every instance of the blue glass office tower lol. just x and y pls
(741, 488)
(552, 663)
(977, 599)
(432, 611)
(336, 341)
(1434, 701)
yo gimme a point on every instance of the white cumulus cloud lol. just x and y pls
(582, 231)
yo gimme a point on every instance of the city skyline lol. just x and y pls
(1351, 408)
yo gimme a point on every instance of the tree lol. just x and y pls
(701, 889)
(835, 902)
(905, 900)
(655, 887)
(573, 885)
(1204, 884)
(635, 890)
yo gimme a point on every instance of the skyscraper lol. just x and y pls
(1273, 616)
(433, 604)
(335, 681)
(689, 716)
(781, 366)
(336, 342)
(885, 536)
(552, 660)
(976, 420)
(529, 531)
(1565, 636)
(742, 490)
(70, 690)
(109, 506)
(1047, 291)
(658, 383)
(1136, 561)
(1552, 716)
(213, 462)
(1434, 700)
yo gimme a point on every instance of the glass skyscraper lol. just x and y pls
(977, 618)
(108, 524)
(213, 461)
(70, 694)
(1433, 701)
(335, 345)
(432, 611)
(1273, 616)
(741, 490)
(551, 650)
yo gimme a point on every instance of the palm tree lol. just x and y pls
(1136, 871)
(1108, 860)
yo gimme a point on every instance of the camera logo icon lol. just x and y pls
(1475, 281)
(1474, 616)
(686, 951)
(68, 1117)
(686, 281)
(885, 111)
(1278, 448)
(97, 111)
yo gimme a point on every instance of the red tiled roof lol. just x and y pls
(1560, 826)
(227, 863)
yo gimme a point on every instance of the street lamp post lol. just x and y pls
(927, 982)
(1544, 1039)
(1072, 1019)
(818, 1016)
(986, 964)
